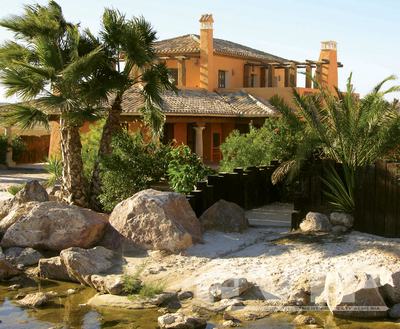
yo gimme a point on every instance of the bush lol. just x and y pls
(14, 189)
(54, 166)
(18, 147)
(186, 169)
(132, 167)
(90, 147)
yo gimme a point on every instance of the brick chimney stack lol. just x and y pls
(206, 52)
(329, 71)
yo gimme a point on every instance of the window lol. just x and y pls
(168, 134)
(254, 80)
(223, 79)
(174, 74)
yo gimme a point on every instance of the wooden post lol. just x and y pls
(191, 201)
(391, 197)
(380, 199)
(214, 181)
(359, 199)
(240, 187)
(198, 202)
(293, 75)
(369, 198)
(202, 185)
(308, 80)
(318, 75)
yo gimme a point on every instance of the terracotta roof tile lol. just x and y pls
(198, 102)
(191, 43)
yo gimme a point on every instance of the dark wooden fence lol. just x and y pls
(377, 196)
(249, 189)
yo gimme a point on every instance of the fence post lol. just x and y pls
(202, 186)
(380, 199)
(214, 181)
(359, 199)
(369, 198)
(390, 208)
(198, 202)
(240, 186)
(191, 201)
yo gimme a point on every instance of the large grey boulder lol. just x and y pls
(155, 220)
(389, 284)
(56, 226)
(6, 270)
(15, 215)
(32, 191)
(340, 218)
(54, 268)
(224, 216)
(81, 263)
(108, 284)
(24, 256)
(316, 222)
(354, 294)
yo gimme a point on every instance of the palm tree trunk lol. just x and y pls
(73, 179)
(111, 127)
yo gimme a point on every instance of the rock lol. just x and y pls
(26, 257)
(229, 324)
(227, 316)
(35, 299)
(52, 189)
(178, 320)
(14, 287)
(224, 217)
(185, 295)
(155, 220)
(339, 229)
(161, 298)
(56, 226)
(108, 284)
(309, 288)
(316, 222)
(6, 271)
(15, 215)
(340, 218)
(224, 303)
(354, 294)
(5, 207)
(302, 320)
(83, 263)
(394, 312)
(54, 268)
(252, 316)
(230, 288)
(389, 285)
(32, 191)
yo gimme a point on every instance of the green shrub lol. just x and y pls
(186, 169)
(18, 147)
(54, 166)
(14, 189)
(90, 147)
(132, 167)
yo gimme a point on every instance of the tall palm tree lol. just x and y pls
(133, 42)
(341, 126)
(50, 67)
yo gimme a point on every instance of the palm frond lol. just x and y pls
(282, 171)
(25, 116)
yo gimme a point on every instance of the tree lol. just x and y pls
(51, 66)
(342, 127)
(133, 41)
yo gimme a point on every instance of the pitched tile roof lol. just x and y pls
(199, 102)
(190, 43)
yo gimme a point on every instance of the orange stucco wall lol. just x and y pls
(180, 132)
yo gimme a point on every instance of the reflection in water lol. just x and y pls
(70, 311)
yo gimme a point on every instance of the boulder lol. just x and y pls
(155, 220)
(389, 285)
(354, 294)
(303, 320)
(15, 215)
(54, 268)
(108, 284)
(394, 312)
(339, 229)
(35, 299)
(26, 257)
(32, 191)
(6, 271)
(316, 222)
(224, 216)
(230, 288)
(179, 320)
(340, 218)
(5, 207)
(56, 226)
(308, 290)
(83, 263)
(161, 298)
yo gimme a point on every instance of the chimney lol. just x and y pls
(329, 71)
(206, 52)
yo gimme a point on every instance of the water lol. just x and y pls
(70, 311)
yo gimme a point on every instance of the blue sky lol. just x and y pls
(367, 32)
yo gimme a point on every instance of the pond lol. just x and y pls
(70, 311)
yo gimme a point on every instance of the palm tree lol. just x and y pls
(133, 41)
(341, 126)
(50, 67)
